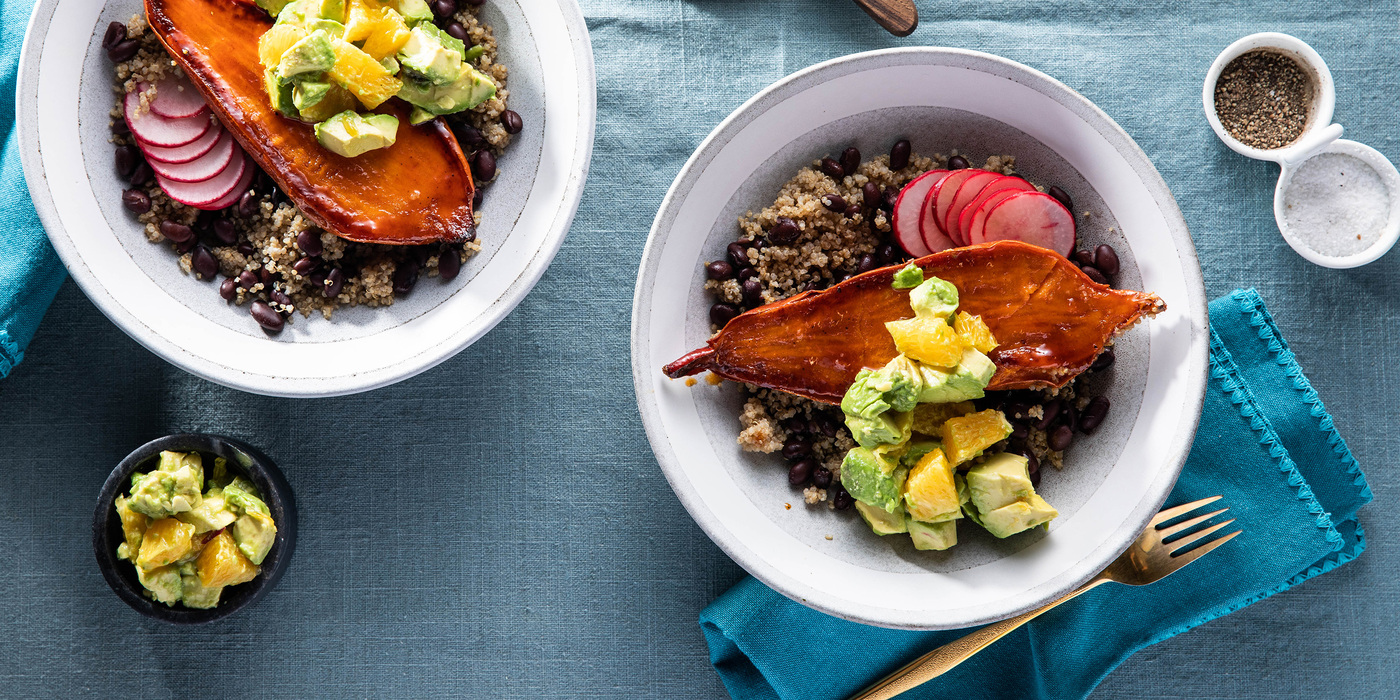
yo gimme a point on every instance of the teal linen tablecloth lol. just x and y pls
(497, 527)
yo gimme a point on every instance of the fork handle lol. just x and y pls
(944, 658)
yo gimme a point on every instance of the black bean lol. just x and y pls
(958, 163)
(1106, 259)
(458, 32)
(115, 34)
(889, 198)
(175, 232)
(719, 270)
(870, 195)
(1103, 361)
(1019, 431)
(120, 127)
(811, 286)
(738, 254)
(866, 264)
(721, 314)
(123, 51)
(141, 175)
(306, 266)
(1035, 475)
(267, 277)
(187, 246)
(449, 264)
(746, 273)
(136, 200)
(753, 292)
(795, 425)
(318, 278)
(1070, 417)
(477, 198)
(842, 500)
(280, 297)
(475, 3)
(1060, 438)
(1094, 274)
(1016, 175)
(822, 423)
(850, 160)
(248, 204)
(127, 157)
(821, 477)
(224, 231)
(310, 242)
(899, 154)
(246, 248)
(1062, 196)
(1032, 462)
(1017, 409)
(247, 279)
(1083, 257)
(832, 168)
(228, 289)
(885, 254)
(204, 263)
(800, 472)
(484, 166)
(1051, 411)
(470, 136)
(796, 447)
(834, 202)
(405, 276)
(512, 122)
(1094, 414)
(784, 232)
(266, 317)
(852, 210)
(444, 8)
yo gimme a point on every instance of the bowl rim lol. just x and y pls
(261, 470)
(1198, 347)
(42, 188)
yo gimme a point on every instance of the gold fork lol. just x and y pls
(1147, 560)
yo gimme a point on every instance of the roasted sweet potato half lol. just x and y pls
(1049, 318)
(417, 191)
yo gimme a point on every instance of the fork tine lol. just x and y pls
(1182, 509)
(1193, 555)
(1181, 544)
(1188, 524)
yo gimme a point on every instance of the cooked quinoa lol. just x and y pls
(266, 239)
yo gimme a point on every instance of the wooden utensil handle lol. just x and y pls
(900, 17)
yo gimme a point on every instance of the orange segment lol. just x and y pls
(221, 564)
(974, 332)
(275, 42)
(967, 436)
(362, 75)
(928, 340)
(387, 35)
(165, 541)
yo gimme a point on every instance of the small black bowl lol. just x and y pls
(242, 459)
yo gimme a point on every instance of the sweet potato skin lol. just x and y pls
(1049, 318)
(417, 191)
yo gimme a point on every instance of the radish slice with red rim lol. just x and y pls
(963, 225)
(204, 167)
(205, 193)
(906, 213)
(154, 130)
(976, 229)
(234, 194)
(177, 99)
(967, 191)
(930, 219)
(1032, 217)
(185, 153)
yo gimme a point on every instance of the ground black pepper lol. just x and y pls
(1263, 99)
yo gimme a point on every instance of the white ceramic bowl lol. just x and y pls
(64, 94)
(941, 99)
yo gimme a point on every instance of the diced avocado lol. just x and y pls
(896, 386)
(962, 383)
(309, 93)
(865, 398)
(212, 513)
(333, 102)
(881, 521)
(162, 583)
(331, 27)
(218, 476)
(312, 54)
(254, 533)
(908, 277)
(929, 417)
(195, 594)
(915, 451)
(281, 93)
(873, 478)
(172, 488)
(1002, 498)
(1019, 516)
(929, 492)
(299, 12)
(333, 10)
(389, 64)
(350, 134)
(888, 428)
(420, 116)
(431, 56)
(934, 298)
(469, 90)
(272, 7)
(933, 536)
(413, 11)
(241, 494)
(473, 53)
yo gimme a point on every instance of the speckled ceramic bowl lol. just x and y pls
(242, 459)
(63, 97)
(940, 99)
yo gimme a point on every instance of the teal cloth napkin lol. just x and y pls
(30, 272)
(1265, 442)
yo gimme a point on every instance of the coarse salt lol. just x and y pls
(1336, 204)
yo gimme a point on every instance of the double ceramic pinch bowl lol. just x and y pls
(1312, 157)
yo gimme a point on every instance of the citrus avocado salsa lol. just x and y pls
(327, 61)
(916, 468)
(189, 542)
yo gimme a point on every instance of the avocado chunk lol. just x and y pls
(413, 11)
(172, 488)
(432, 55)
(933, 536)
(915, 450)
(881, 521)
(470, 89)
(280, 93)
(298, 12)
(162, 583)
(309, 93)
(420, 116)
(332, 102)
(962, 383)
(312, 54)
(934, 298)
(195, 594)
(333, 10)
(212, 513)
(888, 428)
(241, 494)
(350, 134)
(873, 478)
(272, 7)
(930, 495)
(1002, 499)
(254, 533)
(908, 277)
(331, 27)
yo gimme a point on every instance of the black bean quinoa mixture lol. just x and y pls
(271, 257)
(830, 222)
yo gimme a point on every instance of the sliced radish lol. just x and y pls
(1032, 217)
(185, 153)
(906, 212)
(206, 193)
(963, 226)
(177, 99)
(203, 167)
(155, 130)
(967, 192)
(976, 228)
(234, 194)
(928, 216)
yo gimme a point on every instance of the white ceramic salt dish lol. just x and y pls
(1319, 136)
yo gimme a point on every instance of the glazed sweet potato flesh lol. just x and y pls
(418, 190)
(1049, 318)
